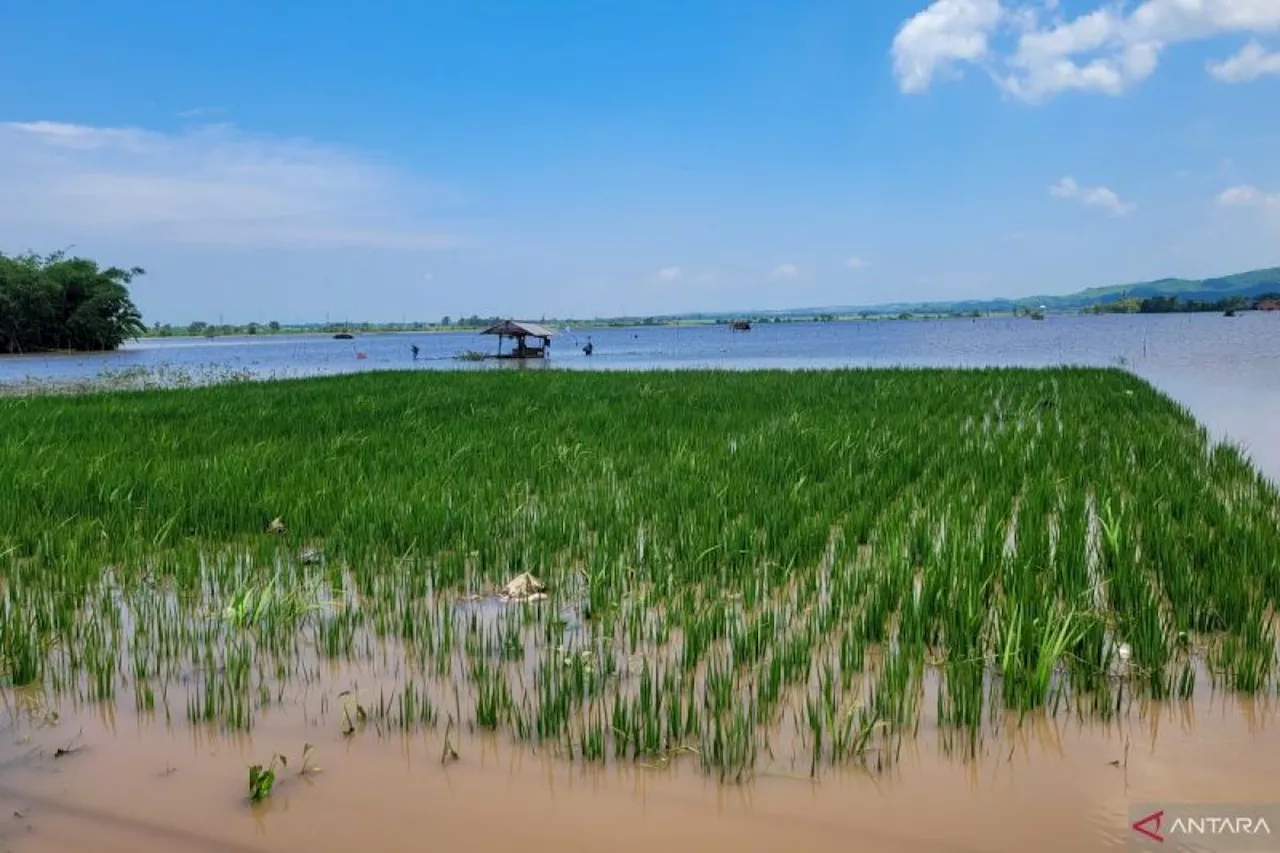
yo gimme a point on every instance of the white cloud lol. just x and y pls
(82, 138)
(946, 32)
(1253, 61)
(211, 185)
(1103, 50)
(200, 112)
(1247, 196)
(786, 271)
(1099, 197)
(855, 263)
(669, 274)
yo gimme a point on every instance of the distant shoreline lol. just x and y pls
(374, 330)
(761, 319)
(612, 323)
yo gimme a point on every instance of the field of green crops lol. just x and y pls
(743, 568)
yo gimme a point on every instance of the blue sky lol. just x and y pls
(386, 160)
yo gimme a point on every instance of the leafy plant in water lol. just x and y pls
(263, 779)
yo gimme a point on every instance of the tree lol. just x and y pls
(60, 303)
(274, 325)
(1158, 305)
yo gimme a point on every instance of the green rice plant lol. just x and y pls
(22, 656)
(271, 601)
(1034, 644)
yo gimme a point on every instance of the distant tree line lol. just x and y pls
(57, 302)
(472, 322)
(1174, 305)
(202, 328)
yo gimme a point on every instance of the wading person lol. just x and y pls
(414, 349)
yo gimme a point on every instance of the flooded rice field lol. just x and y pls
(899, 610)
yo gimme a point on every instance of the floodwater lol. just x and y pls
(1049, 785)
(131, 783)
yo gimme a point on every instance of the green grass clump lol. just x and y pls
(774, 568)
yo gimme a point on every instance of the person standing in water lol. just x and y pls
(414, 349)
(589, 347)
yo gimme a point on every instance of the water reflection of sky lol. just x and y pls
(1223, 369)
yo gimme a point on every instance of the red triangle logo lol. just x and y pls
(1150, 826)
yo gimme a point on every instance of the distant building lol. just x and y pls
(1269, 305)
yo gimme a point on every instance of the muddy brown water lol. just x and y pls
(1054, 784)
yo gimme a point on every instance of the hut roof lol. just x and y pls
(516, 328)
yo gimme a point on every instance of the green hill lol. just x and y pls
(1246, 284)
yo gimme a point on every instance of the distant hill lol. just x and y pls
(1247, 284)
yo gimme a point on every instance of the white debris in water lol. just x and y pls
(524, 587)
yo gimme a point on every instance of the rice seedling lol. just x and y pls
(307, 768)
(752, 568)
(271, 601)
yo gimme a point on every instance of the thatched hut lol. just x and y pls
(520, 331)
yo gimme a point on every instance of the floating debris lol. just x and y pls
(311, 556)
(524, 587)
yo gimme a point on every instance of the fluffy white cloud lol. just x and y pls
(1264, 205)
(1099, 197)
(668, 274)
(1104, 50)
(1247, 196)
(786, 271)
(948, 31)
(1253, 61)
(855, 263)
(211, 185)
